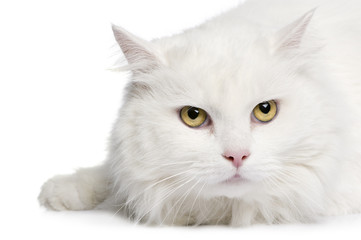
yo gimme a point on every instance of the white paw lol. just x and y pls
(63, 193)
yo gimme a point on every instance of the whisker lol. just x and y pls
(184, 198)
(169, 210)
(190, 212)
(161, 200)
(146, 189)
(127, 204)
(275, 184)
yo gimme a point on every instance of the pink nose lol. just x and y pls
(236, 158)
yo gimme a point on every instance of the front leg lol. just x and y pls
(83, 190)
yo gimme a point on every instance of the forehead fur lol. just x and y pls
(213, 69)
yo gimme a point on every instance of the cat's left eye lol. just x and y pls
(265, 111)
(193, 116)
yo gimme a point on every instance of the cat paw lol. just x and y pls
(62, 193)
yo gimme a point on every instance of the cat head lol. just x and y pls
(226, 111)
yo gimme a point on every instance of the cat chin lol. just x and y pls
(231, 188)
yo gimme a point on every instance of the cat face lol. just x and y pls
(228, 151)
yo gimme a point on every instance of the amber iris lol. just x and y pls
(265, 111)
(193, 116)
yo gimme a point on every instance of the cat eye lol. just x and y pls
(193, 116)
(265, 111)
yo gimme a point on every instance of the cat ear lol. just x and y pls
(291, 36)
(140, 54)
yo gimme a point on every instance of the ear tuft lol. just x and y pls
(290, 37)
(139, 53)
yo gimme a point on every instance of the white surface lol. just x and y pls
(58, 103)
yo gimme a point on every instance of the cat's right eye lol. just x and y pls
(193, 116)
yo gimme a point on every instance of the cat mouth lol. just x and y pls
(235, 179)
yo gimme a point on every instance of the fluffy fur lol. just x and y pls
(304, 164)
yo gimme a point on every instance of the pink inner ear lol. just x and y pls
(135, 50)
(290, 37)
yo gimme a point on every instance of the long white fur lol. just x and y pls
(304, 164)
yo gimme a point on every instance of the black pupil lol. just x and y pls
(265, 107)
(193, 113)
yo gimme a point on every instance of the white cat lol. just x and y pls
(252, 117)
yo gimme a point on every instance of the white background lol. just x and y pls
(58, 102)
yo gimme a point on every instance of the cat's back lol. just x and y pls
(333, 20)
(275, 13)
(335, 27)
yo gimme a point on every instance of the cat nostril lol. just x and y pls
(229, 158)
(237, 158)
